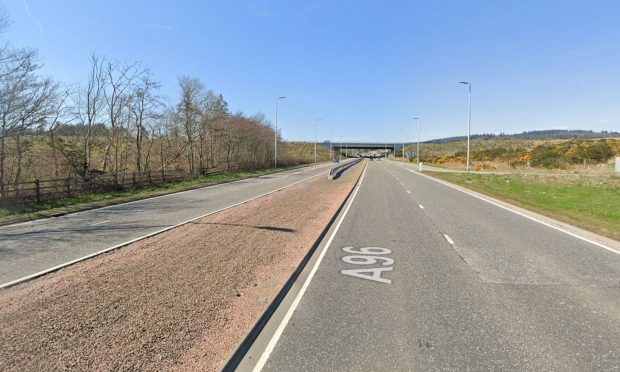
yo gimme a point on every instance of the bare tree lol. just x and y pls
(214, 111)
(89, 103)
(145, 104)
(17, 80)
(118, 97)
(190, 114)
(32, 115)
(60, 113)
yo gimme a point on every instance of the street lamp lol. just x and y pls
(275, 136)
(468, 118)
(402, 130)
(316, 131)
(331, 134)
(418, 150)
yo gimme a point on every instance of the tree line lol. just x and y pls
(116, 121)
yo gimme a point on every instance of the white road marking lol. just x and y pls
(408, 192)
(448, 239)
(23, 223)
(188, 201)
(368, 256)
(172, 194)
(574, 235)
(287, 317)
(99, 223)
(421, 206)
(58, 267)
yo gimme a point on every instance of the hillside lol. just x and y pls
(499, 151)
(549, 134)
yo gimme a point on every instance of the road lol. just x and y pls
(31, 247)
(454, 283)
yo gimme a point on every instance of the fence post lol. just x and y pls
(68, 187)
(163, 175)
(134, 179)
(37, 185)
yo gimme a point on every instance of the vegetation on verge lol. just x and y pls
(588, 202)
(557, 154)
(87, 201)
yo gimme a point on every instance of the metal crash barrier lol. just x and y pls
(337, 170)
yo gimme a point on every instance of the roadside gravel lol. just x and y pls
(180, 300)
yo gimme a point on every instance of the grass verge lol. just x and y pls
(589, 204)
(55, 207)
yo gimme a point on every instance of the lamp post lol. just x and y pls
(316, 131)
(403, 152)
(331, 134)
(275, 136)
(418, 150)
(468, 118)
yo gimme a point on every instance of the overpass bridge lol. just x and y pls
(342, 147)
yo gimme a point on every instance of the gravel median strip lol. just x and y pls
(180, 300)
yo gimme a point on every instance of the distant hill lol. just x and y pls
(535, 135)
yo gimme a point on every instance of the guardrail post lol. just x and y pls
(37, 185)
(68, 187)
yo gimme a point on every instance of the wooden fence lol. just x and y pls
(40, 190)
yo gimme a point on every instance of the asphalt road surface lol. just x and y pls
(453, 283)
(31, 247)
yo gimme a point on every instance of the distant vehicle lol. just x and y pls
(336, 160)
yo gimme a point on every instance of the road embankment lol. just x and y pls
(179, 300)
(590, 203)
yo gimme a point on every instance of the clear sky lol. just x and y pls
(364, 67)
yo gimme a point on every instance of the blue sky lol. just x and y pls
(364, 67)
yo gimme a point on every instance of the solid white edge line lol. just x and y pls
(99, 223)
(518, 213)
(287, 317)
(212, 187)
(69, 263)
(448, 239)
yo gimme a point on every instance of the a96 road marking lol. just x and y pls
(368, 256)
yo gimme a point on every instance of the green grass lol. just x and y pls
(81, 202)
(592, 205)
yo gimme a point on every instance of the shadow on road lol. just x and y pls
(270, 228)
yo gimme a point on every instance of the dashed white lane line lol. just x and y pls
(408, 192)
(481, 197)
(188, 201)
(448, 239)
(99, 223)
(421, 206)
